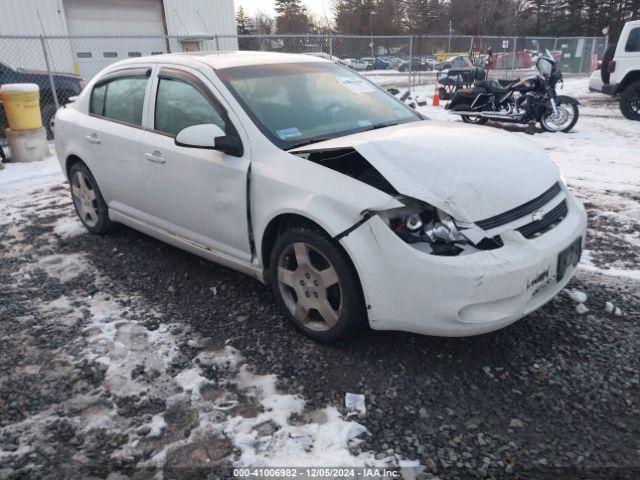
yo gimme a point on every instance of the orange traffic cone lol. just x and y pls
(436, 96)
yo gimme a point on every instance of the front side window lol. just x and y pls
(297, 103)
(633, 42)
(120, 99)
(180, 105)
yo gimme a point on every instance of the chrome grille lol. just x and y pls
(521, 211)
(550, 220)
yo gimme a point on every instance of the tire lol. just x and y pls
(465, 107)
(308, 269)
(88, 201)
(566, 128)
(630, 101)
(604, 69)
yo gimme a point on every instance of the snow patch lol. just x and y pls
(66, 228)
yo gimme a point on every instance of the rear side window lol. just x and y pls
(120, 99)
(180, 105)
(633, 42)
(97, 99)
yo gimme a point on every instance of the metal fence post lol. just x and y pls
(515, 53)
(331, 46)
(48, 64)
(217, 42)
(410, 61)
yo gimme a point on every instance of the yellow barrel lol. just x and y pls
(21, 102)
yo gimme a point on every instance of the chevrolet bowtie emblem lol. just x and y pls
(537, 216)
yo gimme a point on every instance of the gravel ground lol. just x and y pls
(102, 340)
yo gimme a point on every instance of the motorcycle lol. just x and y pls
(530, 100)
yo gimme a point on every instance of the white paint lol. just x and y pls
(471, 173)
(627, 62)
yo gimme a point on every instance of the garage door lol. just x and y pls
(136, 18)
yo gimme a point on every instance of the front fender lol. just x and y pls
(567, 99)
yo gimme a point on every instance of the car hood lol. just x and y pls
(472, 173)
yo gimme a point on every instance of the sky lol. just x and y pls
(318, 8)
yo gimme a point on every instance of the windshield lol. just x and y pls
(545, 66)
(298, 103)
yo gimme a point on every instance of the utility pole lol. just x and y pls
(450, 32)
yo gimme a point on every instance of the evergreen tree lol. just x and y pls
(244, 25)
(291, 16)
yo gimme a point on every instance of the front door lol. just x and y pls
(193, 193)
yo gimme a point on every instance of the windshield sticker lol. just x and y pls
(286, 133)
(356, 85)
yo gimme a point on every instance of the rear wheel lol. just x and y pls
(87, 199)
(474, 120)
(316, 284)
(630, 101)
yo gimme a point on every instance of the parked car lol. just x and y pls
(459, 61)
(621, 70)
(66, 84)
(355, 64)
(595, 80)
(352, 206)
(417, 65)
(375, 63)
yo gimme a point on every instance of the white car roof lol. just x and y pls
(219, 60)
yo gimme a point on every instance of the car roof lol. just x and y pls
(220, 60)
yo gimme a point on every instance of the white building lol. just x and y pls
(166, 25)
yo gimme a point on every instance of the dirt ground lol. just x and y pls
(123, 357)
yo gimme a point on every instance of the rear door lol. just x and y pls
(198, 194)
(112, 136)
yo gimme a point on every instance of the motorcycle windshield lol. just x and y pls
(545, 67)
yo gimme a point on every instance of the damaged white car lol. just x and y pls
(301, 173)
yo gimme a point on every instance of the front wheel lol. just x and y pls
(630, 101)
(563, 120)
(316, 284)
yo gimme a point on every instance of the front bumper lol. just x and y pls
(409, 290)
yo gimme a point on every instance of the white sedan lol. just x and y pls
(354, 208)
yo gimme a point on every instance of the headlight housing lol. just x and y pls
(421, 223)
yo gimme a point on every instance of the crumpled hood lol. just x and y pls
(472, 173)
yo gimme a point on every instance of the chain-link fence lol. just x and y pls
(61, 65)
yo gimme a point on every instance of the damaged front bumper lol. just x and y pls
(409, 290)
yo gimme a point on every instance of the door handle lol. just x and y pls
(93, 138)
(155, 157)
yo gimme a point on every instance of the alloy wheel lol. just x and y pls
(310, 286)
(556, 122)
(85, 199)
(634, 102)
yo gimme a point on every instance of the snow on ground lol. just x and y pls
(146, 398)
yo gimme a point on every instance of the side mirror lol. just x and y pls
(209, 136)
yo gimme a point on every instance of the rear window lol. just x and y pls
(633, 42)
(120, 99)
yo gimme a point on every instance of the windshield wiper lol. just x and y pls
(309, 141)
(380, 125)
